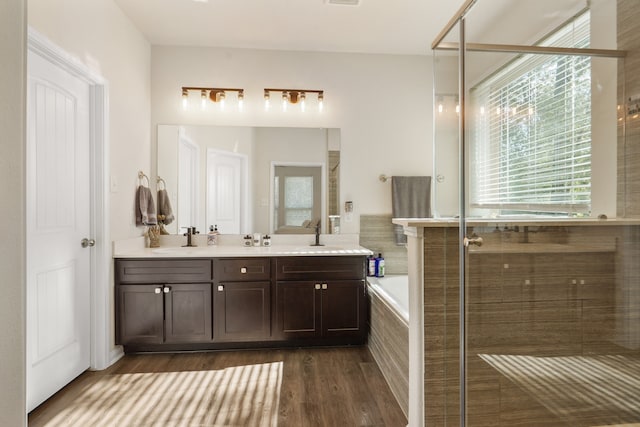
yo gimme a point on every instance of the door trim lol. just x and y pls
(101, 353)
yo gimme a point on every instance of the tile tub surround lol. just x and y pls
(376, 233)
(569, 292)
(389, 344)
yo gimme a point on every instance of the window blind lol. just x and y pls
(530, 142)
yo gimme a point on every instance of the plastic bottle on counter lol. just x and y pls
(212, 236)
(379, 262)
(371, 266)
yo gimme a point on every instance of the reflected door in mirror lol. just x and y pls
(227, 191)
(297, 199)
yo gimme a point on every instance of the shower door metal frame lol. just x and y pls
(462, 47)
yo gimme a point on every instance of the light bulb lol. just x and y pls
(284, 101)
(203, 99)
(266, 100)
(303, 99)
(457, 108)
(240, 100)
(498, 110)
(440, 108)
(482, 110)
(222, 97)
(185, 99)
(321, 101)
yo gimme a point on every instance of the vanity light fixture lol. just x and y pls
(215, 94)
(294, 96)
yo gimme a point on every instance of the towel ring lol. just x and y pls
(141, 177)
(161, 184)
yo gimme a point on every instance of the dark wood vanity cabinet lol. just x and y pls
(242, 299)
(163, 302)
(321, 298)
(198, 304)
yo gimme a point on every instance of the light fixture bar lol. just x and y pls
(294, 96)
(215, 94)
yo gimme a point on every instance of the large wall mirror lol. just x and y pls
(250, 179)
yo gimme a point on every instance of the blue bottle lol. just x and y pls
(379, 266)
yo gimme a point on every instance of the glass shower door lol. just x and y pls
(543, 325)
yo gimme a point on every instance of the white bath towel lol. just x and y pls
(145, 207)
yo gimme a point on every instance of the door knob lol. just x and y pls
(473, 240)
(87, 242)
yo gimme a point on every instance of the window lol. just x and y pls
(531, 134)
(298, 199)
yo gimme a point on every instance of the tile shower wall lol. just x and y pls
(376, 234)
(629, 86)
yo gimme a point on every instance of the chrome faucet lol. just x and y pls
(190, 232)
(317, 243)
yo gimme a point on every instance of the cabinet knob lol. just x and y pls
(324, 286)
(243, 270)
(317, 285)
(166, 289)
(220, 288)
(158, 290)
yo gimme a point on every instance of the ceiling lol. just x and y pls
(373, 26)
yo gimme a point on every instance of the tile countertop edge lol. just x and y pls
(563, 222)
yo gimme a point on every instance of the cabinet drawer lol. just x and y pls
(242, 269)
(320, 268)
(163, 271)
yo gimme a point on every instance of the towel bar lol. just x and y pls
(141, 177)
(161, 184)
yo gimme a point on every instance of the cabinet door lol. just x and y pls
(139, 314)
(298, 309)
(343, 308)
(188, 315)
(242, 311)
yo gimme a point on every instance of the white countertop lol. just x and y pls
(231, 246)
(533, 221)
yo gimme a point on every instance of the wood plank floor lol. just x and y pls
(282, 387)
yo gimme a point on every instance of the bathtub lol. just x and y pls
(394, 290)
(389, 332)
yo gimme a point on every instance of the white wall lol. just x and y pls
(381, 103)
(12, 193)
(104, 39)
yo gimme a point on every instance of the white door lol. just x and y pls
(58, 219)
(226, 191)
